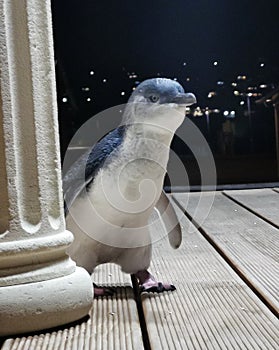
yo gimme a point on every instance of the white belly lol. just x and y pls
(110, 222)
(113, 237)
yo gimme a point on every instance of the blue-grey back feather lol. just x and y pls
(82, 173)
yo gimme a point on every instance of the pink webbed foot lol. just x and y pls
(103, 291)
(147, 283)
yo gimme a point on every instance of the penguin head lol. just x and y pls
(159, 101)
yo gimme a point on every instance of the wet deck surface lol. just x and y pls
(227, 277)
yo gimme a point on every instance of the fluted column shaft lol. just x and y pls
(33, 238)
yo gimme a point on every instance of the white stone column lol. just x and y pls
(40, 286)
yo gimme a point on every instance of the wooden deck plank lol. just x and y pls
(113, 322)
(263, 202)
(212, 307)
(250, 243)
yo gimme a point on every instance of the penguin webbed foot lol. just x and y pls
(103, 291)
(147, 283)
(159, 287)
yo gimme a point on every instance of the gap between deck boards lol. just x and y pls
(241, 204)
(143, 325)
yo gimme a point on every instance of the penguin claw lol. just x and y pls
(103, 291)
(158, 288)
(149, 284)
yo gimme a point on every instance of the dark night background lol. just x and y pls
(122, 43)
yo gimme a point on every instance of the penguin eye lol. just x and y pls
(153, 98)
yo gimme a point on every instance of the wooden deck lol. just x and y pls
(227, 278)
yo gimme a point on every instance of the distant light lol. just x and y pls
(216, 110)
(133, 76)
(211, 94)
(242, 103)
(263, 86)
(88, 99)
(188, 79)
(215, 63)
(268, 100)
(234, 84)
(85, 89)
(123, 93)
(230, 114)
(64, 99)
(262, 65)
(104, 80)
(220, 83)
(175, 79)
(184, 64)
(250, 94)
(236, 93)
(134, 88)
(197, 112)
(92, 72)
(241, 77)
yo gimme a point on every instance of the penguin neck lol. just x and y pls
(143, 133)
(146, 149)
(159, 124)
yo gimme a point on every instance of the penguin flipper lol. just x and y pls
(170, 220)
(81, 174)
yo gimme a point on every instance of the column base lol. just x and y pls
(35, 306)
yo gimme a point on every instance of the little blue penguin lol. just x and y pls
(111, 191)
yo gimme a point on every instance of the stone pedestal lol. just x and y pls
(40, 286)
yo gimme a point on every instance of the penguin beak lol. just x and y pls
(186, 99)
